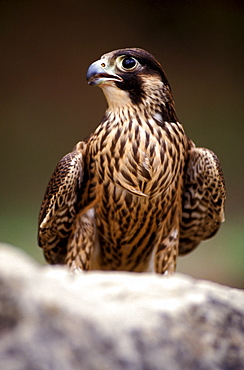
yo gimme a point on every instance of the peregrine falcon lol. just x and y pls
(137, 192)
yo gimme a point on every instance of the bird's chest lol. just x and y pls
(143, 162)
(136, 175)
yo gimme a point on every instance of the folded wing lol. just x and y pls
(59, 206)
(203, 199)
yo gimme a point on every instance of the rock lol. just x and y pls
(51, 319)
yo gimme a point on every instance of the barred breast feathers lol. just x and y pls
(141, 153)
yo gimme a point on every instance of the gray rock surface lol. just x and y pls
(51, 319)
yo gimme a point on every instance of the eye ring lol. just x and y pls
(128, 63)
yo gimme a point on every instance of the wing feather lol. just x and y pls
(59, 206)
(203, 199)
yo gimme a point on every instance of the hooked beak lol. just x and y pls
(99, 73)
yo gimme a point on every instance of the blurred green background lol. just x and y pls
(47, 106)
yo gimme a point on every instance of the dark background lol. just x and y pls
(46, 105)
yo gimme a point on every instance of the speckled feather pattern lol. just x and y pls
(143, 168)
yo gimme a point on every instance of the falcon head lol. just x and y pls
(133, 77)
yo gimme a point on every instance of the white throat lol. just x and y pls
(116, 98)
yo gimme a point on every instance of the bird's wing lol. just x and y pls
(203, 199)
(59, 206)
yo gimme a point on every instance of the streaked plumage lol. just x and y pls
(137, 192)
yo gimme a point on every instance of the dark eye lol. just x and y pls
(129, 63)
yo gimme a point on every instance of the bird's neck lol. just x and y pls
(163, 112)
(158, 103)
